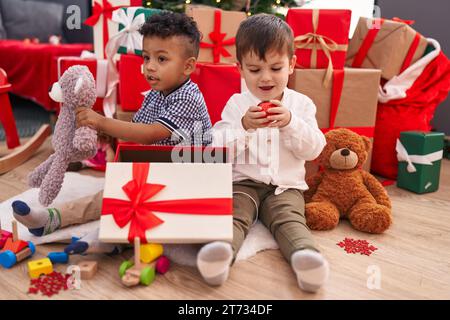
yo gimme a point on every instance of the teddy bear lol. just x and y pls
(75, 88)
(343, 190)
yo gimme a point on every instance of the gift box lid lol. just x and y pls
(421, 142)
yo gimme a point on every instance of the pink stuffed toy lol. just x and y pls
(75, 88)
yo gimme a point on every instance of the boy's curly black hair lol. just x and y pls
(169, 24)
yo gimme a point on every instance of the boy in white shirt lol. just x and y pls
(269, 151)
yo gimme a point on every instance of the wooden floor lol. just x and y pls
(412, 260)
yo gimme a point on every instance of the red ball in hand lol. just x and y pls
(266, 105)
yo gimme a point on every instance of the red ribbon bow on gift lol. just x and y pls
(217, 39)
(106, 10)
(140, 213)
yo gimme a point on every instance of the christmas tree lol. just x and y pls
(278, 7)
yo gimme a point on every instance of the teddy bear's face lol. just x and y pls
(345, 150)
(76, 87)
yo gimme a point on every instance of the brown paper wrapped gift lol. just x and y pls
(356, 107)
(395, 47)
(221, 26)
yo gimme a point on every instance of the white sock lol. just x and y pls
(311, 268)
(39, 222)
(213, 262)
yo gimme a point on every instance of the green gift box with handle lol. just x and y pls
(419, 155)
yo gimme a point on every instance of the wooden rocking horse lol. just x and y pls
(19, 154)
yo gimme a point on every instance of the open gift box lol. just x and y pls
(167, 195)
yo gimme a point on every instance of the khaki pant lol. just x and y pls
(283, 215)
(81, 210)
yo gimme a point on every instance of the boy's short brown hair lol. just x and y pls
(264, 32)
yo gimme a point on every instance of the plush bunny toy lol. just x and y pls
(75, 88)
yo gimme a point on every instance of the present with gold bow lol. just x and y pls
(219, 30)
(321, 38)
(165, 202)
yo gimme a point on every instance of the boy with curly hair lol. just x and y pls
(173, 112)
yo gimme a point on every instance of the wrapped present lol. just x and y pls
(219, 29)
(321, 38)
(419, 155)
(132, 83)
(350, 102)
(389, 45)
(100, 20)
(98, 68)
(167, 195)
(447, 147)
(128, 40)
(359, 8)
(217, 82)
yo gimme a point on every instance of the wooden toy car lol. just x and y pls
(15, 250)
(134, 273)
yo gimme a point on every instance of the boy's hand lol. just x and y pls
(254, 118)
(279, 116)
(88, 117)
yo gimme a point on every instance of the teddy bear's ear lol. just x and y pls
(55, 93)
(78, 85)
(367, 142)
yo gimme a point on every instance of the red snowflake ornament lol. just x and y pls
(50, 284)
(357, 246)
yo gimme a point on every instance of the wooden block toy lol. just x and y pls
(150, 252)
(15, 246)
(88, 269)
(15, 250)
(58, 257)
(133, 274)
(4, 235)
(36, 268)
(22, 255)
(162, 264)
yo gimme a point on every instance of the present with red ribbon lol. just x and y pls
(389, 45)
(132, 83)
(100, 20)
(321, 38)
(217, 82)
(97, 67)
(219, 29)
(349, 102)
(167, 202)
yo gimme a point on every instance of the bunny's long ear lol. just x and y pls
(78, 85)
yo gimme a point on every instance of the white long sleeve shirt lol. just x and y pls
(271, 155)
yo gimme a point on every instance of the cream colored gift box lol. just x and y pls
(194, 199)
